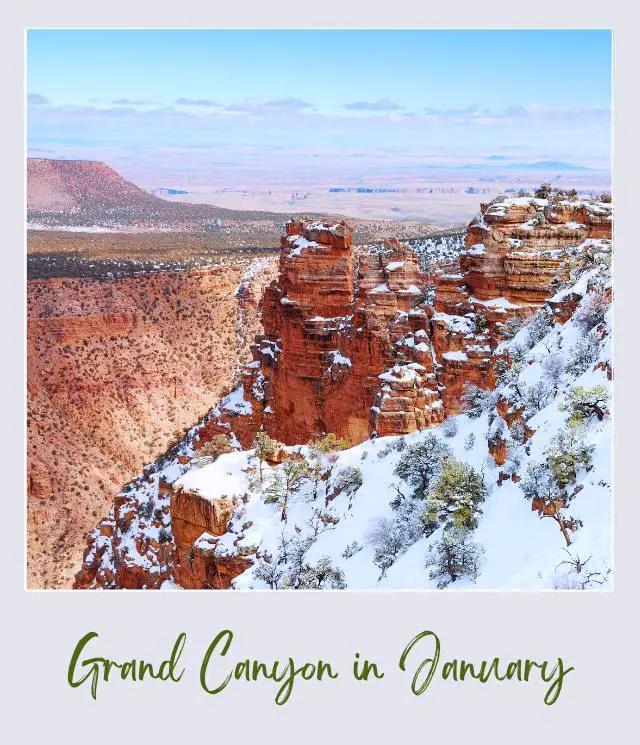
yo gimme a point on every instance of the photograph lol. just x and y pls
(319, 309)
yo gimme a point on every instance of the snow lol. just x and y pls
(339, 359)
(224, 477)
(299, 243)
(236, 402)
(455, 356)
(384, 287)
(521, 550)
(477, 249)
(393, 265)
(498, 302)
(402, 373)
(254, 268)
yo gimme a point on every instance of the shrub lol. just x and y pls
(164, 536)
(391, 537)
(455, 556)
(511, 327)
(218, 445)
(450, 427)
(470, 441)
(537, 397)
(401, 444)
(329, 443)
(582, 355)
(553, 366)
(265, 448)
(592, 311)
(518, 433)
(351, 550)
(481, 323)
(540, 325)
(421, 463)
(348, 480)
(456, 496)
(475, 401)
(583, 403)
(543, 191)
(145, 510)
(323, 576)
(270, 573)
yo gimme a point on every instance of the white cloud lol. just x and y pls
(383, 104)
(196, 102)
(37, 99)
(262, 106)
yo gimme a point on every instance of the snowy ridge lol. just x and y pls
(516, 490)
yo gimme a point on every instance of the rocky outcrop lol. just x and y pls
(117, 368)
(196, 562)
(514, 249)
(351, 346)
(345, 346)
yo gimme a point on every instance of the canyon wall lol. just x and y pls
(352, 346)
(116, 370)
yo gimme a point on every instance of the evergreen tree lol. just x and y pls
(322, 576)
(456, 495)
(285, 482)
(265, 448)
(454, 556)
(582, 355)
(548, 483)
(390, 538)
(421, 463)
(584, 403)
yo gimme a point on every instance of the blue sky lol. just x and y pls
(127, 92)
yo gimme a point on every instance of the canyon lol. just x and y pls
(352, 347)
(116, 370)
(361, 344)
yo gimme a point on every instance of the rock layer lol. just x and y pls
(345, 346)
(116, 370)
(350, 346)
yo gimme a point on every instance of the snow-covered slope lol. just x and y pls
(325, 517)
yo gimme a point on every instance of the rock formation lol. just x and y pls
(117, 368)
(514, 249)
(351, 346)
(345, 346)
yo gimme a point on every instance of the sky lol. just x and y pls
(454, 97)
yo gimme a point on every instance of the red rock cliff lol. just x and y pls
(513, 252)
(345, 347)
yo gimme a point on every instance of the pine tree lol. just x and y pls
(454, 556)
(456, 496)
(582, 355)
(421, 463)
(548, 483)
(584, 403)
(264, 447)
(285, 482)
(322, 576)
